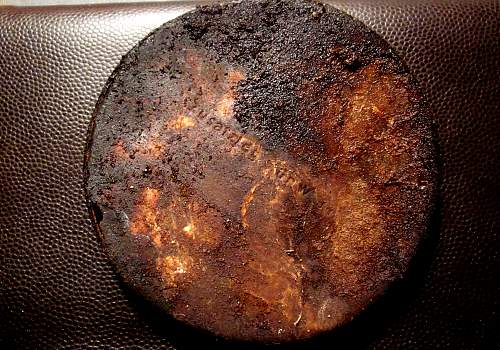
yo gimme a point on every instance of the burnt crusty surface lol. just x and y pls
(262, 170)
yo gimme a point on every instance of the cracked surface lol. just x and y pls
(263, 170)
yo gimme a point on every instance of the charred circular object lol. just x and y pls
(262, 170)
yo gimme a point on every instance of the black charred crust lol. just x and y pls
(281, 44)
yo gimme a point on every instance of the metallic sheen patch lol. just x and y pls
(262, 170)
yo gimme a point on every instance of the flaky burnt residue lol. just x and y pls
(272, 174)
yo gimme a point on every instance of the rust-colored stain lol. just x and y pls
(258, 230)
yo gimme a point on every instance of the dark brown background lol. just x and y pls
(57, 288)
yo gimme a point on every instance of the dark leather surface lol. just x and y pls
(57, 288)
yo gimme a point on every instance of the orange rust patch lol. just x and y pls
(145, 216)
(235, 76)
(173, 267)
(120, 151)
(244, 206)
(181, 122)
(225, 105)
(148, 146)
(226, 102)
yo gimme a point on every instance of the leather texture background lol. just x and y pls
(57, 288)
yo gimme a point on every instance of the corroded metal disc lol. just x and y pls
(262, 170)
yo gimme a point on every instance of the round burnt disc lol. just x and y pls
(261, 170)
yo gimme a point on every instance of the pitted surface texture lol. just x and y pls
(263, 180)
(58, 289)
